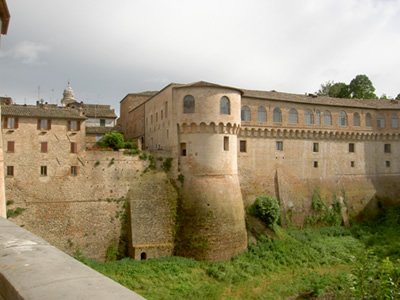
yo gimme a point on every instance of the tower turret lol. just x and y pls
(68, 95)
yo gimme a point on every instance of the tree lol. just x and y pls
(113, 140)
(361, 88)
(398, 97)
(336, 90)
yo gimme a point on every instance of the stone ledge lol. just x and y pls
(30, 268)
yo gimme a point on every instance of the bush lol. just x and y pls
(130, 145)
(113, 140)
(267, 209)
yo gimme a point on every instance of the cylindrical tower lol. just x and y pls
(212, 223)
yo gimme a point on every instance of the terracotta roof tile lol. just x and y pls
(41, 112)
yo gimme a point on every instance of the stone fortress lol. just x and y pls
(228, 146)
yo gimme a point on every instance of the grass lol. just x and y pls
(351, 263)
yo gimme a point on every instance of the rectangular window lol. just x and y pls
(44, 124)
(102, 122)
(166, 110)
(43, 170)
(243, 146)
(74, 125)
(183, 149)
(10, 122)
(74, 170)
(352, 164)
(156, 116)
(98, 137)
(279, 146)
(74, 147)
(162, 114)
(11, 146)
(351, 147)
(10, 171)
(226, 143)
(315, 164)
(387, 148)
(387, 164)
(315, 147)
(43, 147)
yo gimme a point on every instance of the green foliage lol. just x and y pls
(267, 209)
(361, 88)
(97, 163)
(181, 178)
(143, 156)
(332, 89)
(167, 164)
(132, 152)
(398, 97)
(130, 145)
(322, 214)
(9, 202)
(113, 140)
(15, 212)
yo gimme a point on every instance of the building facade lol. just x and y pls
(231, 145)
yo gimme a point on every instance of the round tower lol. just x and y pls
(212, 219)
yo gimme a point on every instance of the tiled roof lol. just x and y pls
(52, 112)
(98, 111)
(313, 99)
(102, 130)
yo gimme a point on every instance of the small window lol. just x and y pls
(380, 121)
(43, 170)
(356, 119)
(224, 106)
(226, 143)
(102, 122)
(293, 117)
(387, 164)
(351, 147)
(315, 164)
(277, 115)
(308, 117)
(156, 116)
(143, 256)
(44, 124)
(342, 118)
(261, 114)
(279, 145)
(327, 118)
(98, 137)
(183, 149)
(387, 148)
(315, 147)
(10, 146)
(394, 121)
(151, 119)
(188, 104)
(243, 146)
(166, 110)
(43, 147)
(10, 171)
(352, 164)
(245, 113)
(74, 170)
(368, 120)
(10, 122)
(74, 125)
(74, 147)
(162, 114)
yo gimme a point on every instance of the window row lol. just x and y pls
(43, 147)
(162, 115)
(42, 124)
(73, 171)
(189, 105)
(318, 118)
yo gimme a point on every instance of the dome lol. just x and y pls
(68, 92)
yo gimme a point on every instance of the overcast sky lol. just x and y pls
(107, 49)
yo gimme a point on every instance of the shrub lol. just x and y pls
(113, 140)
(267, 209)
(130, 145)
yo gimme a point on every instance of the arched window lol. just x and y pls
(356, 119)
(293, 117)
(380, 121)
(342, 118)
(261, 114)
(245, 113)
(327, 118)
(188, 104)
(394, 121)
(368, 120)
(318, 117)
(308, 117)
(277, 115)
(225, 106)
